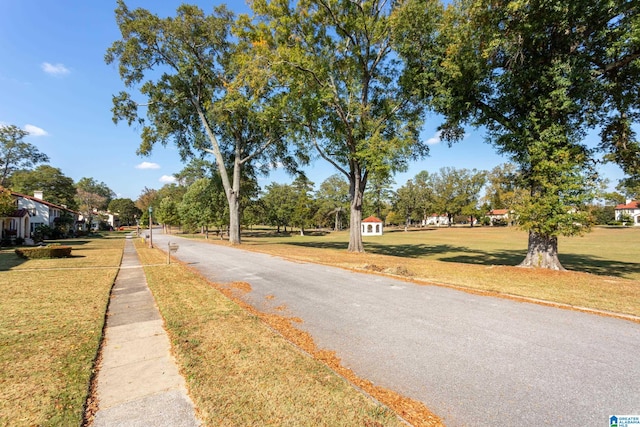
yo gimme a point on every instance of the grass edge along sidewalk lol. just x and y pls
(240, 371)
(52, 314)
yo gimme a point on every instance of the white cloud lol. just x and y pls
(35, 130)
(148, 165)
(167, 179)
(435, 139)
(55, 69)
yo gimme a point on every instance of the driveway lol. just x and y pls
(473, 360)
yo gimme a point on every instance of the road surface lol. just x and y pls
(473, 360)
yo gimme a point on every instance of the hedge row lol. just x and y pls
(44, 252)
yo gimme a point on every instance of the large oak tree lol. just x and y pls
(205, 90)
(337, 58)
(537, 75)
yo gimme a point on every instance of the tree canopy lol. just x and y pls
(537, 76)
(337, 59)
(205, 90)
(56, 187)
(15, 154)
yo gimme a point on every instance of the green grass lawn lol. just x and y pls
(604, 251)
(51, 317)
(604, 265)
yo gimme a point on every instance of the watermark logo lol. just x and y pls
(624, 421)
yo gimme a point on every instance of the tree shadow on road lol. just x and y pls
(465, 255)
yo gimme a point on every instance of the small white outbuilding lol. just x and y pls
(372, 226)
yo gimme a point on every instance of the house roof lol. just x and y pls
(372, 219)
(35, 199)
(632, 205)
(498, 211)
(18, 213)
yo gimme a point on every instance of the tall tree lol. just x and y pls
(167, 213)
(103, 193)
(457, 191)
(537, 75)
(407, 203)
(91, 197)
(204, 204)
(339, 64)
(304, 205)
(126, 210)
(279, 202)
(16, 154)
(146, 199)
(204, 92)
(379, 193)
(333, 200)
(56, 187)
(504, 187)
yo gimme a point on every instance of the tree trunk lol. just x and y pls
(542, 252)
(234, 219)
(233, 196)
(355, 223)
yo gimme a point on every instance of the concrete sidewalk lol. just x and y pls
(138, 382)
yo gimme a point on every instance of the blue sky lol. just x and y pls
(55, 84)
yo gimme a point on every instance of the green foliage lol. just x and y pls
(504, 187)
(204, 203)
(603, 215)
(346, 99)
(332, 199)
(15, 154)
(7, 202)
(51, 251)
(207, 92)
(56, 187)
(457, 192)
(537, 75)
(126, 209)
(279, 203)
(99, 190)
(167, 212)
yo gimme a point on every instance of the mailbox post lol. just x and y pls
(172, 247)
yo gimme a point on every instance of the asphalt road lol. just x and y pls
(473, 360)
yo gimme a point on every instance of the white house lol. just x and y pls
(500, 216)
(631, 209)
(16, 225)
(437, 219)
(42, 212)
(372, 226)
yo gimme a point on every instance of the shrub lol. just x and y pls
(56, 251)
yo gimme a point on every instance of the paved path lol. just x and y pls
(473, 360)
(138, 383)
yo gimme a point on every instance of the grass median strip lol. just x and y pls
(605, 271)
(241, 372)
(50, 329)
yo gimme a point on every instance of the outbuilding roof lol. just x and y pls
(372, 219)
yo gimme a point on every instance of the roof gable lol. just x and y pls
(372, 219)
(632, 205)
(36, 200)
